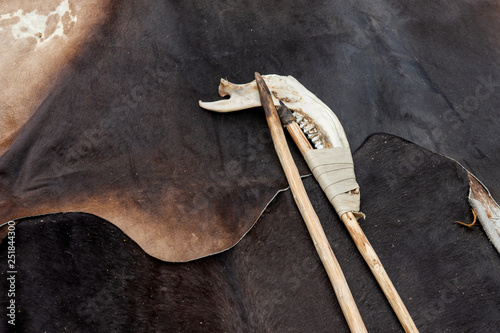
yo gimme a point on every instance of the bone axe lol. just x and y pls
(332, 167)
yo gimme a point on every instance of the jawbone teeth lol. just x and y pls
(316, 139)
(298, 116)
(311, 130)
(308, 128)
(312, 134)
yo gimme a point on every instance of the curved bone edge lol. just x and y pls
(288, 90)
(333, 168)
(487, 210)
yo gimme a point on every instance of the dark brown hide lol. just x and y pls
(120, 134)
(78, 273)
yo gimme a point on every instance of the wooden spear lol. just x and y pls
(306, 209)
(357, 234)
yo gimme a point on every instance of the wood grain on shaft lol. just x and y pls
(306, 209)
(300, 140)
(371, 258)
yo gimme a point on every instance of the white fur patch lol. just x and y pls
(34, 25)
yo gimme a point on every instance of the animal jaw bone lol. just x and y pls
(317, 121)
(288, 90)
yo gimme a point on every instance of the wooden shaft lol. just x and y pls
(384, 281)
(306, 209)
(298, 136)
(364, 246)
